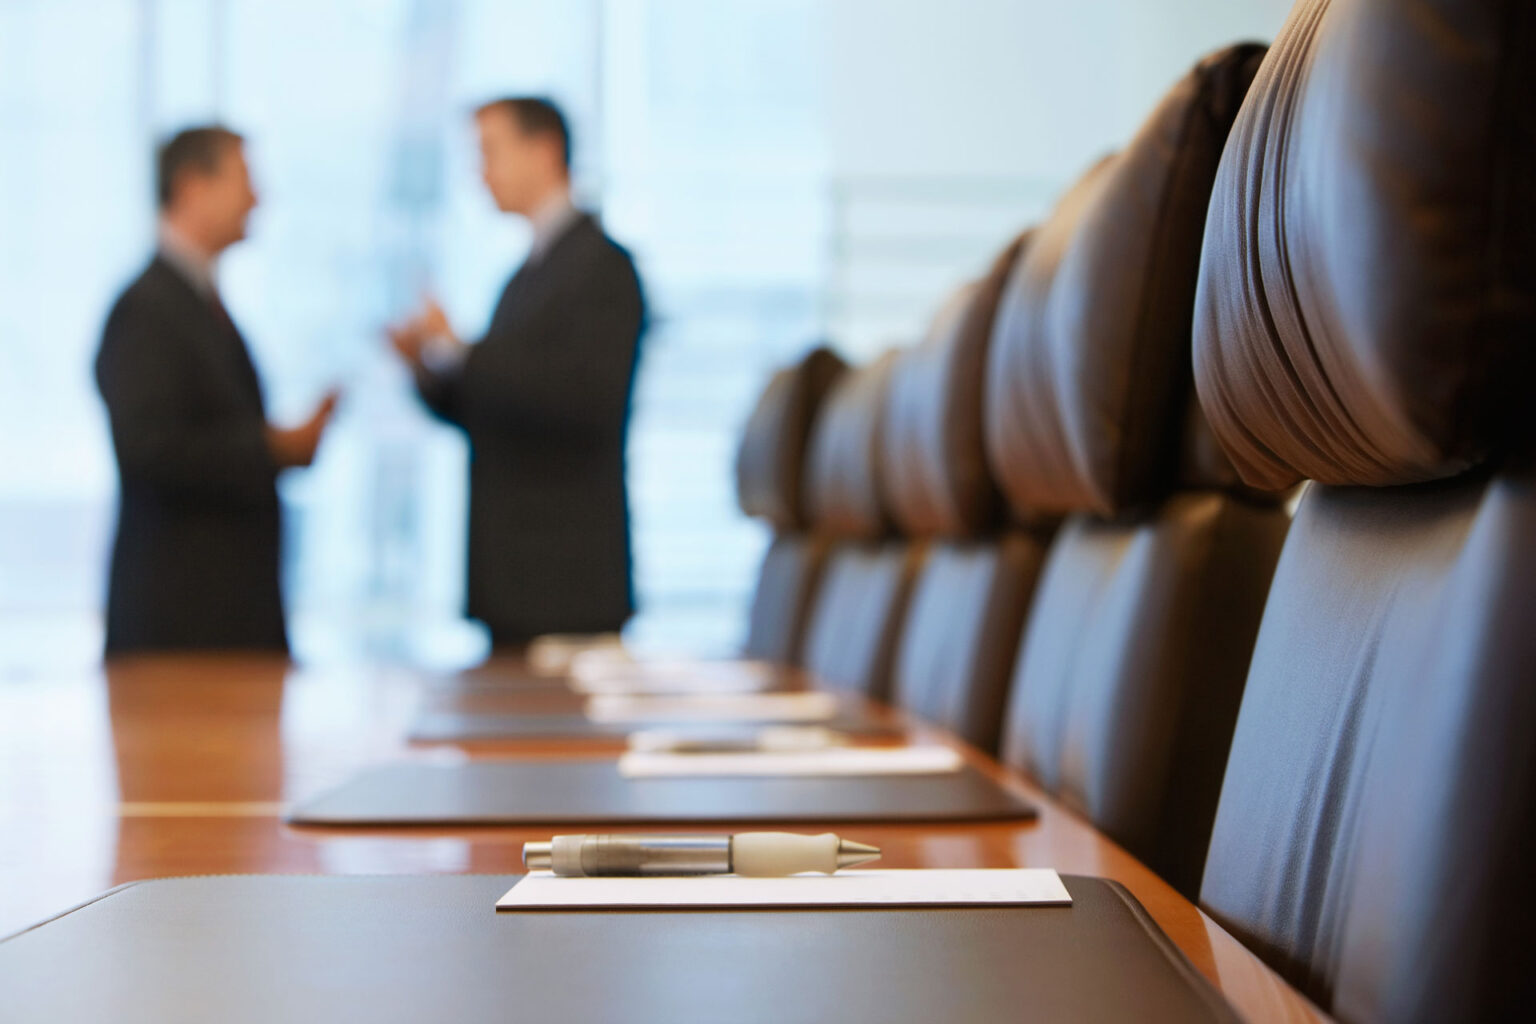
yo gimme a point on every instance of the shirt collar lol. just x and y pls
(550, 220)
(199, 268)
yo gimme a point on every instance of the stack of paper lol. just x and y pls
(606, 672)
(542, 890)
(758, 707)
(554, 653)
(918, 760)
(735, 739)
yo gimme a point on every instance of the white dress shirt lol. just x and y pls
(551, 220)
(190, 261)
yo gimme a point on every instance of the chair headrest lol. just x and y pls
(935, 465)
(1204, 465)
(770, 463)
(1367, 297)
(1089, 368)
(845, 493)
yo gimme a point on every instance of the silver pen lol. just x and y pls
(746, 853)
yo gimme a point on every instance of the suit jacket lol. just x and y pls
(195, 561)
(544, 399)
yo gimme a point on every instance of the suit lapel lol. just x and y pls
(214, 327)
(532, 283)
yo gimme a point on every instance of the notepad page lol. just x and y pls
(930, 759)
(735, 738)
(543, 890)
(755, 707)
(675, 676)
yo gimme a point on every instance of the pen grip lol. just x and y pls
(783, 853)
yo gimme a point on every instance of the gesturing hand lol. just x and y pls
(433, 322)
(295, 446)
(411, 337)
(408, 340)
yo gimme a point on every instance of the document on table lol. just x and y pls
(930, 759)
(544, 890)
(742, 707)
(671, 676)
(736, 738)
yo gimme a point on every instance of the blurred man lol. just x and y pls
(543, 397)
(195, 563)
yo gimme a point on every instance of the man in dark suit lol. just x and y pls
(543, 397)
(195, 562)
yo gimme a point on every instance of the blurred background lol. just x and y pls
(783, 170)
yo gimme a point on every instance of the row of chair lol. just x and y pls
(1019, 528)
(1054, 525)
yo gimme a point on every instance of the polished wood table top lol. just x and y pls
(181, 765)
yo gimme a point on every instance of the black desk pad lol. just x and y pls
(246, 949)
(441, 726)
(592, 792)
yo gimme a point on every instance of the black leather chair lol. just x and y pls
(962, 625)
(1367, 319)
(770, 466)
(859, 606)
(1133, 659)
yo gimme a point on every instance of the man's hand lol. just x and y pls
(411, 337)
(433, 321)
(408, 340)
(295, 446)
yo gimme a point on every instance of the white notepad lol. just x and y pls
(736, 707)
(735, 738)
(543, 890)
(553, 653)
(919, 760)
(671, 676)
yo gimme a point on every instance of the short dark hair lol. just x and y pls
(197, 149)
(535, 115)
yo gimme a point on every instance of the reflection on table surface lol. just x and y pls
(181, 765)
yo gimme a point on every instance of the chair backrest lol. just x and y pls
(1133, 659)
(1366, 318)
(844, 487)
(770, 468)
(787, 584)
(862, 597)
(935, 462)
(968, 602)
(770, 461)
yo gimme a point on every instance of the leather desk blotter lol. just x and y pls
(448, 726)
(592, 791)
(250, 949)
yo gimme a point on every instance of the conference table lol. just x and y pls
(160, 766)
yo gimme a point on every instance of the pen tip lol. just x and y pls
(850, 853)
